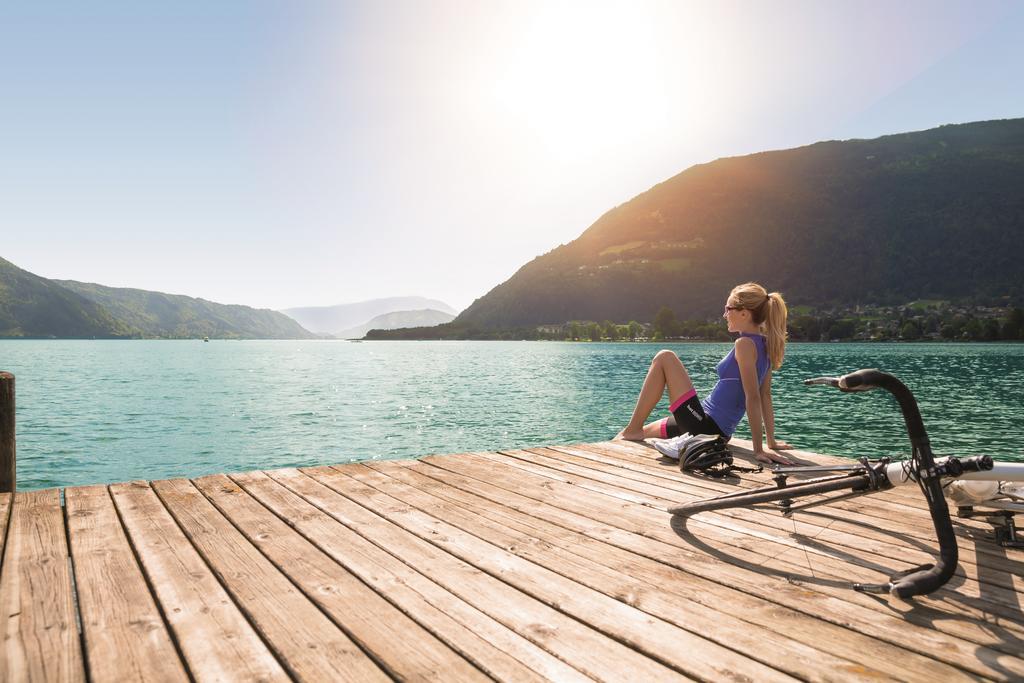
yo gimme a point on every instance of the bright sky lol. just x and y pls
(282, 154)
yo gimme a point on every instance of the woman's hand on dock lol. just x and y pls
(769, 456)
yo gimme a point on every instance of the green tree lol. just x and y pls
(806, 327)
(594, 332)
(1013, 326)
(840, 329)
(575, 331)
(611, 330)
(973, 329)
(635, 329)
(990, 331)
(910, 330)
(665, 323)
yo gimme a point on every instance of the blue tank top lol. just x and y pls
(727, 402)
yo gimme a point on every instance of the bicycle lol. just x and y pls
(870, 476)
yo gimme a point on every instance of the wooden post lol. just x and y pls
(8, 469)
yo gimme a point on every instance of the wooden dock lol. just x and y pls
(552, 563)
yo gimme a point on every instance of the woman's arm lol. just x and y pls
(768, 414)
(767, 411)
(746, 358)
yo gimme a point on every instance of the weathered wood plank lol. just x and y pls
(650, 635)
(662, 587)
(792, 609)
(215, 638)
(903, 503)
(824, 599)
(552, 563)
(496, 649)
(125, 636)
(829, 531)
(403, 647)
(578, 557)
(576, 643)
(756, 531)
(636, 460)
(859, 538)
(37, 614)
(841, 556)
(304, 639)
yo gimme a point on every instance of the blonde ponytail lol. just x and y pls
(767, 310)
(775, 329)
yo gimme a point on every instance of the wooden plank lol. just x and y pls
(643, 583)
(654, 637)
(911, 505)
(758, 531)
(216, 640)
(861, 537)
(304, 639)
(37, 613)
(658, 586)
(403, 647)
(829, 532)
(748, 531)
(832, 601)
(125, 636)
(592, 653)
(955, 593)
(496, 649)
(610, 523)
(875, 510)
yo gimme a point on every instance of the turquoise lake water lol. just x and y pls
(104, 411)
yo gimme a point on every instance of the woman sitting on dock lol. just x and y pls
(744, 380)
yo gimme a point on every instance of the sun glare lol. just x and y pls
(585, 81)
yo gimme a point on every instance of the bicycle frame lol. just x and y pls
(923, 469)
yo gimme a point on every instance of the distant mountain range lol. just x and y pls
(35, 307)
(937, 214)
(397, 320)
(339, 320)
(173, 316)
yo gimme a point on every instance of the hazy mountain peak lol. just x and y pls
(334, 320)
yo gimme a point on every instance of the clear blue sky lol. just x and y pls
(283, 154)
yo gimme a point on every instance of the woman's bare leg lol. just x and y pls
(666, 371)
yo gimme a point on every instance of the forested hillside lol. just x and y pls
(173, 316)
(937, 214)
(32, 306)
(36, 307)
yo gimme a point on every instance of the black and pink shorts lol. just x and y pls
(688, 416)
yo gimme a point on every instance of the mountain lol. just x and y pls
(155, 314)
(936, 214)
(335, 319)
(395, 320)
(32, 306)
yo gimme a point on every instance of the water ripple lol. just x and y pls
(103, 411)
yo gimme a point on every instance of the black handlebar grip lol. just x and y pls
(861, 380)
(977, 463)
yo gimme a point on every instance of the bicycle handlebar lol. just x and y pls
(926, 578)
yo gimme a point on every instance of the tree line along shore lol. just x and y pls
(918, 321)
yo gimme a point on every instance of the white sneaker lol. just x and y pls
(671, 448)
